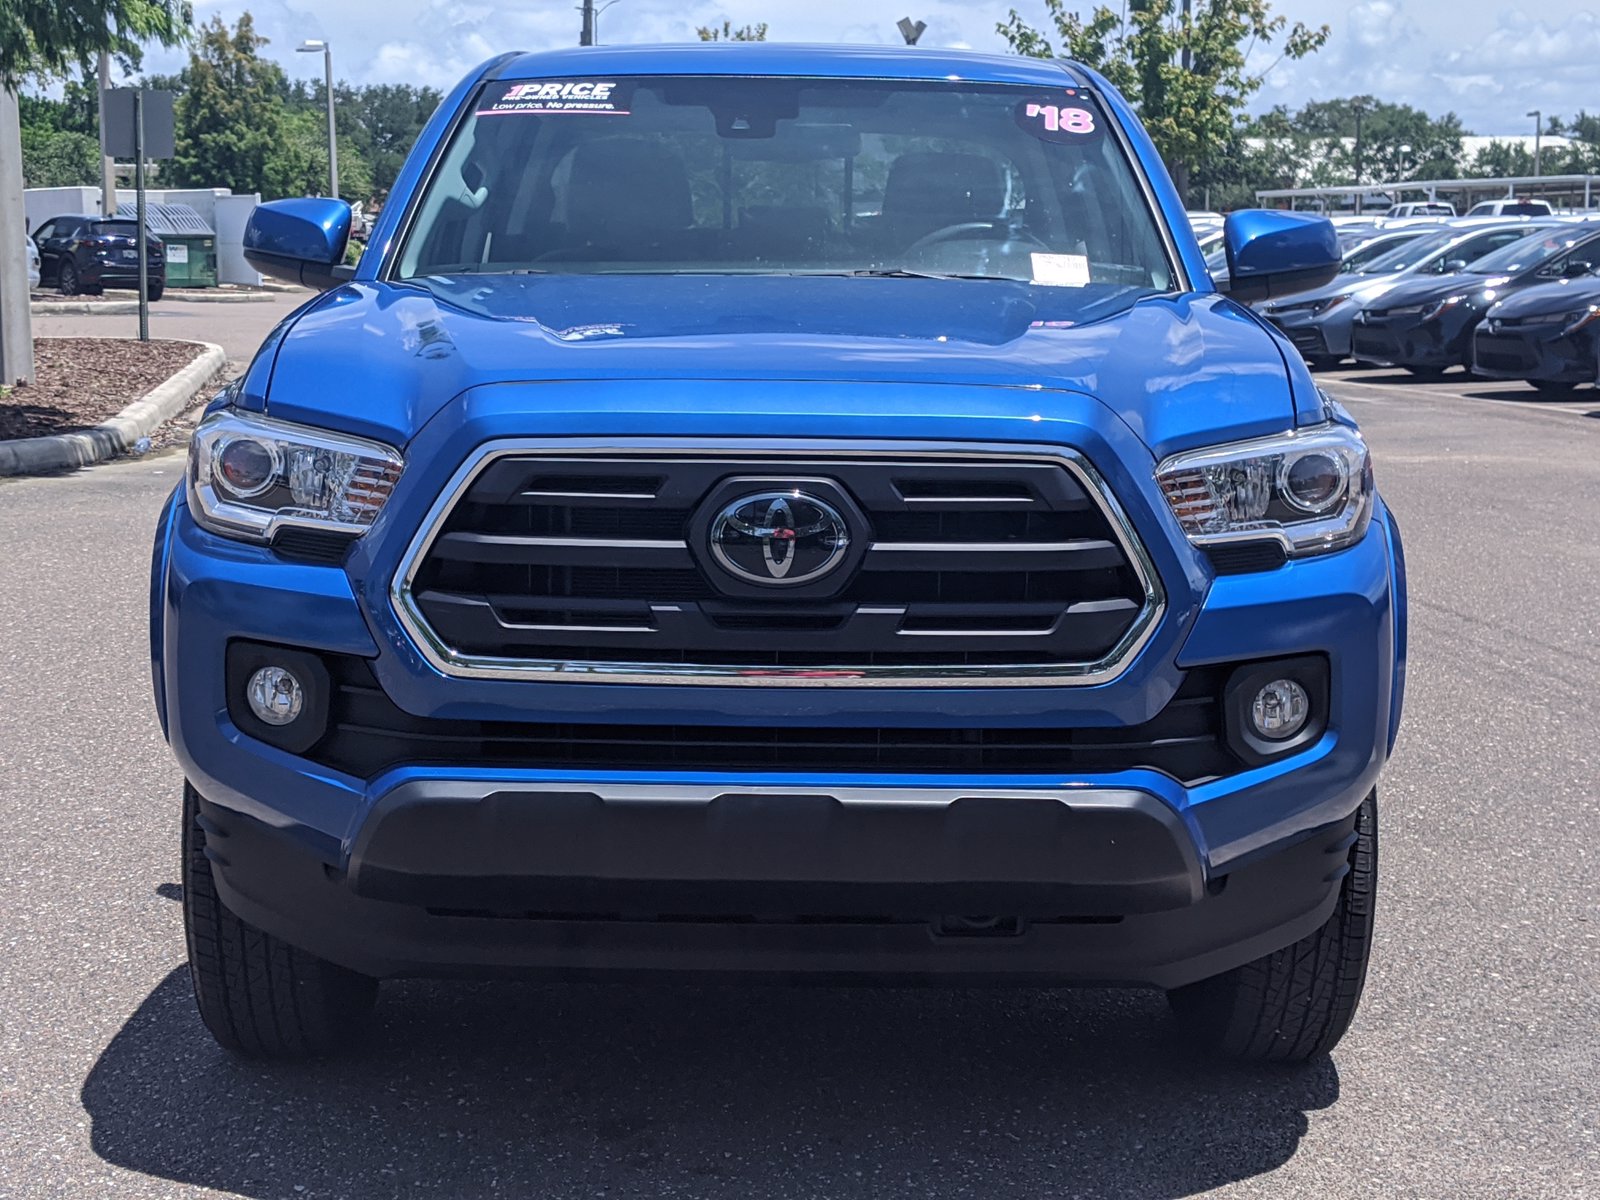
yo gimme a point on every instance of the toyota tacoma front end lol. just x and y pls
(780, 510)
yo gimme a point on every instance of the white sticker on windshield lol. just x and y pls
(603, 96)
(1061, 270)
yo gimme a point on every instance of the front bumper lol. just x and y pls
(1409, 341)
(1122, 876)
(1320, 336)
(1537, 352)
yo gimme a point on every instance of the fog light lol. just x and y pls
(1279, 711)
(276, 696)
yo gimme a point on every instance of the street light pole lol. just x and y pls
(1538, 136)
(586, 34)
(311, 47)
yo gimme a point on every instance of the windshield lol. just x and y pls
(1407, 254)
(1525, 253)
(667, 175)
(125, 229)
(1370, 251)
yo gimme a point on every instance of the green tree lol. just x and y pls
(298, 165)
(230, 112)
(60, 158)
(727, 33)
(1186, 72)
(47, 37)
(1499, 159)
(1397, 140)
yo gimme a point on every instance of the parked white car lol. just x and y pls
(33, 262)
(1511, 208)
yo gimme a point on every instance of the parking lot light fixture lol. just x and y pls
(312, 46)
(1538, 136)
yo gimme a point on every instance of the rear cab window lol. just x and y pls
(741, 175)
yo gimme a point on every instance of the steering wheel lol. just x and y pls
(967, 229)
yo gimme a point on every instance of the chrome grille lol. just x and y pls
(544, 560)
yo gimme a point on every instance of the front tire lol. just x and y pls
(67, 279)
(260, 997)
(1554, 387)
(1296, 1003)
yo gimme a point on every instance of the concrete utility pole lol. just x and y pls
(1360, 111)
(586, 34)
(1180, 170)
(311, 47)
(16, 333)
(1538, 136)
(108, 164)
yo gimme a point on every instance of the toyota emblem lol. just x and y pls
(782, 538)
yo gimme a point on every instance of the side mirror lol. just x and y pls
(1454, 266)
(1275, 253)
(1573, 269)
(301, 241)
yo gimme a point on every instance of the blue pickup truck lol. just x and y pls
(774, 511)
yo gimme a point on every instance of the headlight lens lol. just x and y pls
(1311, 490)
(250, 476)
(1584, 316)
(1430, 311)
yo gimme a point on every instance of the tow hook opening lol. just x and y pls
(969, 927)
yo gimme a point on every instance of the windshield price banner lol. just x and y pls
(604, 97)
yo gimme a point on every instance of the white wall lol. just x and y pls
(231, 214)
(40, 204)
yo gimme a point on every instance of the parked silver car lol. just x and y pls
(33, 262)
(1318, 322)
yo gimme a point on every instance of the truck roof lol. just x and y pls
(790, 58)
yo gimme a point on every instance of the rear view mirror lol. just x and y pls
(1274, 253)
(797, 143)
(300, 240)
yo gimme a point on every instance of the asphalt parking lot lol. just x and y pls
(1473, 1069)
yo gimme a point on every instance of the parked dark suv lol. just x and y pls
(82, 255)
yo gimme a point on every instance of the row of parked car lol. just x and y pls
(1506, 297)
(82, 254)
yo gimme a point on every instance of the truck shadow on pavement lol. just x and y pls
(655, 1089)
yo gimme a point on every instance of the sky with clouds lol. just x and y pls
(1488, 60)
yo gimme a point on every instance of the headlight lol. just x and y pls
(1438, 307)
(250, 476)
(1311, 490)
(1583, 316)
(1314, 307)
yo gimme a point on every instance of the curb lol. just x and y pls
(64, 451)
(217, 297)
(121, 308)
(82, 308)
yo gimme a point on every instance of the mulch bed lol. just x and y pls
(80, 382)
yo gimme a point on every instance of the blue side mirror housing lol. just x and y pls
(1275, 253)
(300, 240)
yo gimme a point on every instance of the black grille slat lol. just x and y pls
(369, 734)
(536, 554)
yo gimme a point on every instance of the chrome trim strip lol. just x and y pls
(702, 794)
(989, 547)
(591, 495)
(450, 662)
(974, 633)
(1019, 500)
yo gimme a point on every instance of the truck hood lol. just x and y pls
(381, 359)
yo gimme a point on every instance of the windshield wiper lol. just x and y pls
(906, 273)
